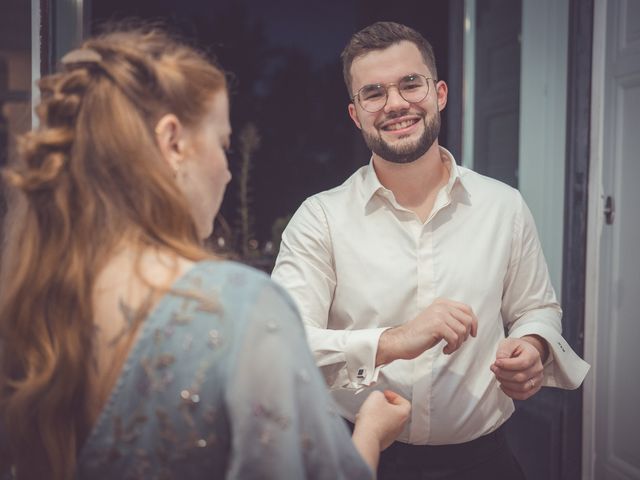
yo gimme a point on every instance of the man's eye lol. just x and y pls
(371, 93)
(415, 84)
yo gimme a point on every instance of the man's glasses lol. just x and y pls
(413, 88)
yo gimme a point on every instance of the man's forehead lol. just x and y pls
(388, 65)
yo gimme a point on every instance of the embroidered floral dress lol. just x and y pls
(221, 384)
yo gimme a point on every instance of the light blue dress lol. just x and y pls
(221, 384)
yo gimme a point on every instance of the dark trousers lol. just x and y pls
(488, 457)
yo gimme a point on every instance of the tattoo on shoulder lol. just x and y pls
(128, 313)
(131, 316)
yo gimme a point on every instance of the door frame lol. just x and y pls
(579, 210)
(594, 228)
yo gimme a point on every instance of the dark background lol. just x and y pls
(284, 56)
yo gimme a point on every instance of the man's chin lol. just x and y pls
(406, 147)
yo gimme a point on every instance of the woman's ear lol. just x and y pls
(170, 137)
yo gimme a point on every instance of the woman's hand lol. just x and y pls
(378, 423)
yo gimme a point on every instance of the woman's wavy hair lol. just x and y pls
(89, 177)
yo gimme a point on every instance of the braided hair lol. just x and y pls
(88, 178)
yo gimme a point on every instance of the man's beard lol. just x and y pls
(408, 152)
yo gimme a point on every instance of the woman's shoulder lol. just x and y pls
(228, 289)
(229, 270)
(233, 280)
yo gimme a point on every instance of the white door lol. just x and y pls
(612, 395)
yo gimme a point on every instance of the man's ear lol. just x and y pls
(170, 138)
(354, 115)
(443, 91)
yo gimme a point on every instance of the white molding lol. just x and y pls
(594, 231)
(35, 59)
(68, 16)
(80, 23)
(468, 82)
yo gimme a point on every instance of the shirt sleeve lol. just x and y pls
(283, 422)
(530, 306)
(305, 268)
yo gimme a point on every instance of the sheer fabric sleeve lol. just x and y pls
(283, 424)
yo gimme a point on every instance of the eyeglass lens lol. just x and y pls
(413, 88)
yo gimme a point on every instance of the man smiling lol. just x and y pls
(408, 275)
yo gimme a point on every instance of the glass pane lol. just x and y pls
(15, 76)
(285, 56)
(497, 89)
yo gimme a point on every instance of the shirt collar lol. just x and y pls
(371, 184)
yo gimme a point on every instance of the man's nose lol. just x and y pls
(395, 100)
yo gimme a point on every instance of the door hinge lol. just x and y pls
(609, 210)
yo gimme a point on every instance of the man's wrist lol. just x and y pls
(386, 346)
(540, 344)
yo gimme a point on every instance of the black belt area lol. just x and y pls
(443, 456)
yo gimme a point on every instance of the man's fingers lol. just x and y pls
(474, 326)
(465, 312)
(459, 305)
(531, 383)
(452, 339)
(506, 349)
(444, 319)
(462, 328)
(515, 376)
(516, 395)
(517, 363)
(519, 386)
(459, 327)
(470, 322)
(462, 317)
(466, 316)
(520, 394)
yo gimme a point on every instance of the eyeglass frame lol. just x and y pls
(386, 91)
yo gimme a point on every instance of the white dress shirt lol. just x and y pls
(357, 263)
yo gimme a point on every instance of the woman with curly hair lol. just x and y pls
(127, 350)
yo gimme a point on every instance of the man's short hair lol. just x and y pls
(379, 36)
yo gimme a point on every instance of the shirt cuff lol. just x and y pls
(564, 368)
(361, 351)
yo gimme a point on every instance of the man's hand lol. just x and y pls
(518, 366)
(444, 319)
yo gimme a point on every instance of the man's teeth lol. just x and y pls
(400, 125)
